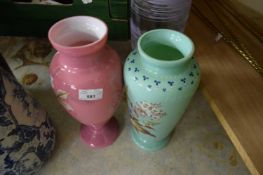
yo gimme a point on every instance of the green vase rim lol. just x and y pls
(168, 63)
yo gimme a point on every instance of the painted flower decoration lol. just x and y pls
(62, 97)
(144, 116)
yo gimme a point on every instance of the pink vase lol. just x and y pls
(86, 75)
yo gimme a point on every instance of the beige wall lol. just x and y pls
(256, 5)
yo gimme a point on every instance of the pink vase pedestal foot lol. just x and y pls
(100, 137)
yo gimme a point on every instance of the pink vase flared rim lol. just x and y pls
(99, 41)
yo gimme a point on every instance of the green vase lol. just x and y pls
(161, 76)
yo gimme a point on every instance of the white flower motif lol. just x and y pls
(67, 106)
(51, 81)
(61, 94)
(62, 97)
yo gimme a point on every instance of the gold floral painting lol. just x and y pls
(145, 116)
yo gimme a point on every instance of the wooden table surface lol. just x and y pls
(234, 90)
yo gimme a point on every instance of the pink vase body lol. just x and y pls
(86, 75)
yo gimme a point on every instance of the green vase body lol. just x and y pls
(161, 77)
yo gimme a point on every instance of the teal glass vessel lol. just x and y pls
(161, 77)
